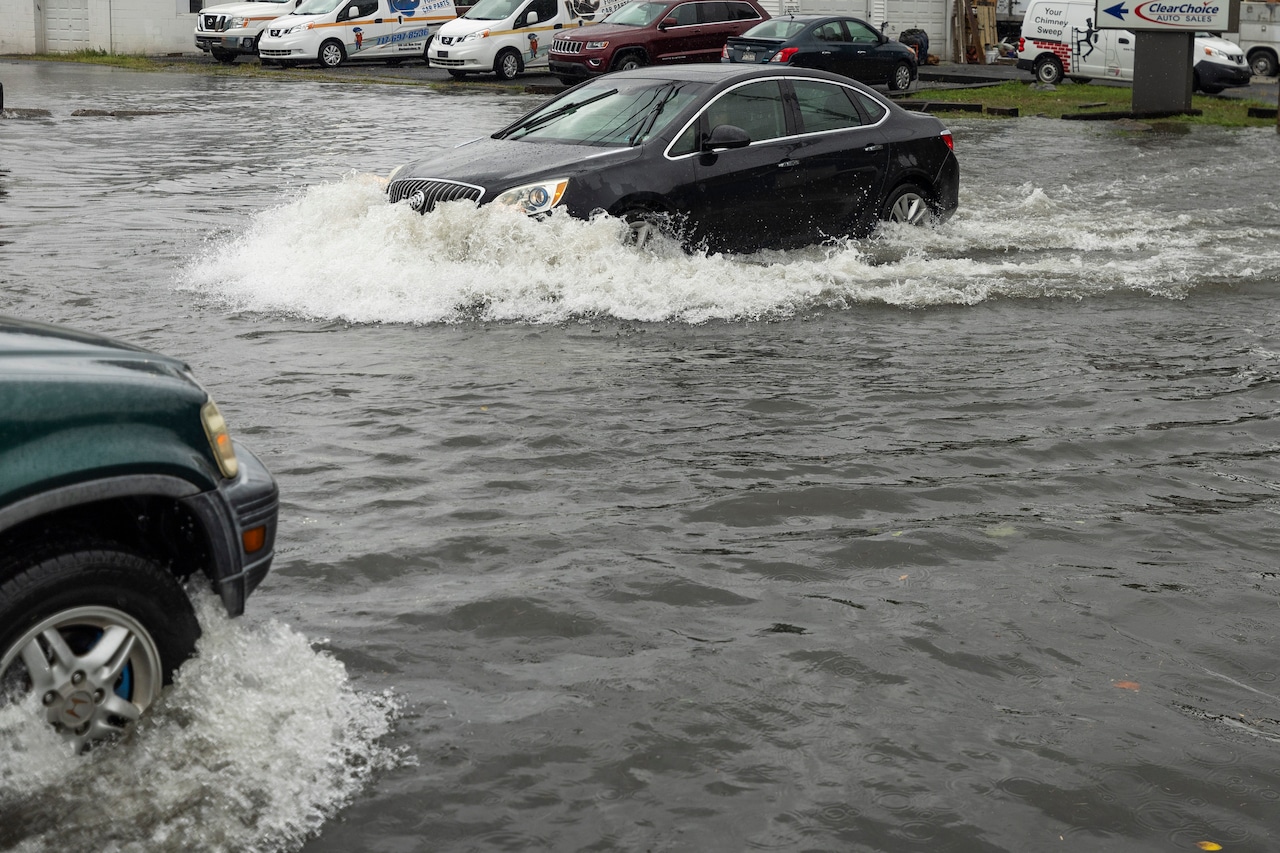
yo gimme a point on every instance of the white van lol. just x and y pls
(232, 30)
(1059, 39)
(507, 37)
(332, 32)
(1259, 36)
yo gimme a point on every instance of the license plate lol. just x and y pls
(442, 54)
(748, 56)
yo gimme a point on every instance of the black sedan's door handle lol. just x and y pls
(787, 164)
(876, 147)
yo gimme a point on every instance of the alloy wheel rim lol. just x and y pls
(95, 669)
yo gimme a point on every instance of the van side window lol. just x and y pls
(362, 9)
(546, 9)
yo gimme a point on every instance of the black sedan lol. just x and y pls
(727, 157)
(843, 45)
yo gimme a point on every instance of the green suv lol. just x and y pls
(119, 485)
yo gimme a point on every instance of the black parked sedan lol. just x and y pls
(843, 45)
(729, 157)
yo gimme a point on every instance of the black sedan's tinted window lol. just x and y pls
(757, 108)
(830, 31)
(825, 106)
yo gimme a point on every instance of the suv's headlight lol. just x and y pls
(237, 23)
(597, 45)
(219, 439)
(534, 198)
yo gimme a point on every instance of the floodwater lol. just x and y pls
(951, 540)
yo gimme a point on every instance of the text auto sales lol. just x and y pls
(1178, 13)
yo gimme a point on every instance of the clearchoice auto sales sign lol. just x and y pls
(1165, 15)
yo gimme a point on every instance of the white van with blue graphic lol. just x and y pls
(506, 37)
(332, 32)
(1060, 38)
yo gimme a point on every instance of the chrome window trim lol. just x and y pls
(666, 153)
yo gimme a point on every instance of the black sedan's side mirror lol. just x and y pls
(724, 136)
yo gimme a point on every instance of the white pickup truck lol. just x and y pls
(233, 29)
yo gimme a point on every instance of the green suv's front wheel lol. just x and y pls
(94, 633)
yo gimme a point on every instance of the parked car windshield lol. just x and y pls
(775, 28)
(493, 10)
(607, 113)
(640, 14)
(316, 7)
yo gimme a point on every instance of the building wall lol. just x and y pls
(115, 26)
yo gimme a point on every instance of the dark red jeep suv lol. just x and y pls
(652, 32)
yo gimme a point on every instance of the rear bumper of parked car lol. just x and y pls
(241, 514)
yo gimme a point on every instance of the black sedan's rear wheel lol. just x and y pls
(900, 79)
(908, 203)
(95, 633)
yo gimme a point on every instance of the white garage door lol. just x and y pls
(66, 25)
(928, 15)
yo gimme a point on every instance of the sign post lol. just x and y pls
(1165, 30)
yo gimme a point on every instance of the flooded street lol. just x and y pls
(948, 540)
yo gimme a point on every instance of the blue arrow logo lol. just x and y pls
(1118, 10)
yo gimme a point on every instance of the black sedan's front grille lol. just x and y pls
(566, 46)
(433, 192)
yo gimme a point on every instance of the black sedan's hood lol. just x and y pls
(499, 164)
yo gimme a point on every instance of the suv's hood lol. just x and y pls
(601, 32)
(248, 10)
(30, 347)
(497, 164)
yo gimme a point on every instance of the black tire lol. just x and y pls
(226, 57)
(507, 64)
(900, 78)
(1048, 70)
(332, 54)
(908, 203)
(87, 606)
(458, 75)
(1263, 63)
(630, 60)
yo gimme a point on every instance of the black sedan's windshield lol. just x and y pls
(639, 14)
(607, 112)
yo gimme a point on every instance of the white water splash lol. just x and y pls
(340, 252)
(259, 741)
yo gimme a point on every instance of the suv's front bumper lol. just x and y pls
(235, 515)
